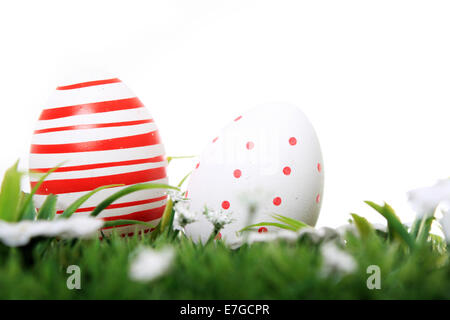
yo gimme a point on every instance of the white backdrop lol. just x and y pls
(372, 76)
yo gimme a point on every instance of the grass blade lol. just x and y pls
(364, 227)
(297, 224)
(123, 222)
(438, 243)
(169, 159)
(77, 203)
(30, 211)
(415, 228)
(269, 224)
(30, 196)
(48, 208)
(424, 229)
(167, 217)
(105, 203)
(184, 179)
(10, 195)
(394, 223)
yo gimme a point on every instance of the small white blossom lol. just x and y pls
(322, 234)
(425, 200)
(149, 264)
(336, 260)
(255, 237)
(315, 235)
(20, 233)
(349, 227)
(318, 235)
(384, 228)
(284, 235)
(175, 195)
(183, 215)
(287, 235)
(218, 218)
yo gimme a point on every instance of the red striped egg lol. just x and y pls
(104, 135)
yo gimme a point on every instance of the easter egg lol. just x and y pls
(267, 161)
(103, 135)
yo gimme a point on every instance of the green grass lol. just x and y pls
(414, 264)
(274, 270)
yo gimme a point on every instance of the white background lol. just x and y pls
(372, 76)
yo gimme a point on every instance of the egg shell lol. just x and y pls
(102, 134)
(268, 158)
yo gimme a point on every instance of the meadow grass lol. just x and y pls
(414, 263)
(274, 270)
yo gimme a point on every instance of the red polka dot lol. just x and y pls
(319, 167)
(237, 173)
(238, 118)
(198, 165)
(146, 230)
(123, 235)
(287, 171)
(131, 234)
(262, 230)
(318, 198)
(218, 237)
(277, 201)
(292, 141)
(215, 139)
(225, 205)
(250, 145)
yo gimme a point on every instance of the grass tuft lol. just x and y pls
(414, 264)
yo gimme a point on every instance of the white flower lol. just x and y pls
(20, 233)
(315, 235)
(349, 227)
(183, 215)
(149, 264)
(384, 228)
(175, 195)
(318, 235)
(285, 235)
(255, 237)
(336, 260)
(425, 200)
(218, 218)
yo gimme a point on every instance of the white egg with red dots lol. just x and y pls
(267, 161)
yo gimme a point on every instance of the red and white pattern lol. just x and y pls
(269, 156)
(103, 134)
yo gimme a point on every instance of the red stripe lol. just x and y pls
(88, 184)
(101, 165)
(145, 216)
(126, 225)
(94, 126)
(94, 107)
(140, 140)
(88, 84)
(120, 205)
